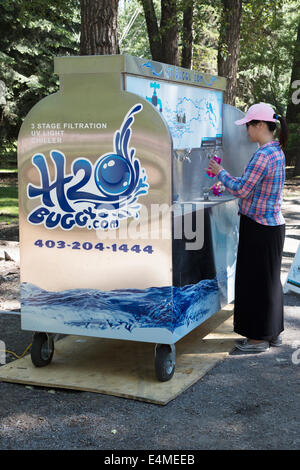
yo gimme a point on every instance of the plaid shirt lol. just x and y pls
(260, 186)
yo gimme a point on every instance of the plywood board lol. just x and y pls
(126, 368)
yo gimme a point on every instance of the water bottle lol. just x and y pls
(218, 158)
(218, 190)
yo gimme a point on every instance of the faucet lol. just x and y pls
(206, 194)
(183, 155)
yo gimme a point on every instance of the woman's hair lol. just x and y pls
(283, 133)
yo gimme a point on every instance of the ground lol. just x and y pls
(9, 230)
(246, 402)
(9, 278)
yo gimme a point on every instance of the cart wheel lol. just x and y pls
(164, 361)
(42, 349)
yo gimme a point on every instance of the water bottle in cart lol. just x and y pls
(217, 156)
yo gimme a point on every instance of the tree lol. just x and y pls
(153, 30)
(163, 39)
(187, 34)
(132, 30)
(197, 32)
(169, 31)
(268, 32)
(32, 34)
(206, 24)
(229, 46)
(268, 37)
(99, 27)
(293, 109)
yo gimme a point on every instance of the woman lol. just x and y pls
(258, 310)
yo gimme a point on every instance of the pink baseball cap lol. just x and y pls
(258, 112)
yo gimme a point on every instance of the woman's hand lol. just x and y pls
(214, 166)
(219, 186)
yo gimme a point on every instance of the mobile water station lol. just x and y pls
(120, 235)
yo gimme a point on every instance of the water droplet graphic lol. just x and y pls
(113, 174)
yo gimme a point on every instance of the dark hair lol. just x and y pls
(283, 133)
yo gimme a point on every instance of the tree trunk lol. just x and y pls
(163, 39)
(169, 32)
(153, 30)
(99, 30)
(187, 34)
(293, 111)
(229, 46)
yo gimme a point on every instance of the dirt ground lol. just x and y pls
(9, 282)
(246, 402)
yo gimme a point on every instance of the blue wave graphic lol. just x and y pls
(212, 80)
(90, 309)
(150, 66)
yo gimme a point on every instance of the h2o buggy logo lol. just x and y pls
(96, 197)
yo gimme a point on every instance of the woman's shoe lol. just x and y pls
(276, 341)
(244, 345)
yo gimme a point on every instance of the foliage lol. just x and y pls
(32, 33)
(134, 40)
(269, 29)
(206, 34)
(132, 31)
(268, 33)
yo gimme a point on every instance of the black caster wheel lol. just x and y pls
(42, 349)
(165, 360)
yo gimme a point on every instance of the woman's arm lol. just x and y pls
(242, 186)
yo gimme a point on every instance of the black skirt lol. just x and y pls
(258, 308)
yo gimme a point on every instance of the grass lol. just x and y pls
(9, 209)
(8, 170)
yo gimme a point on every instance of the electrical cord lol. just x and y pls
(14, 354)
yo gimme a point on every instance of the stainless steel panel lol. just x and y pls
(237, 147)
(127, 294)
(64, 122)
(153, 69)
(189, 175)
(137, 66)
(189, 180)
